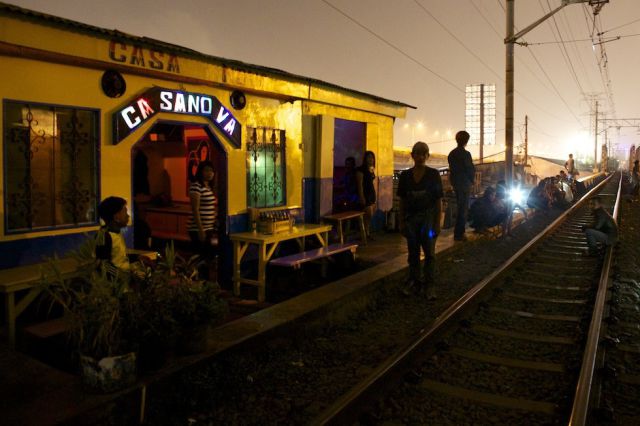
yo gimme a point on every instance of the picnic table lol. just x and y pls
(267, 245)
(341, 217)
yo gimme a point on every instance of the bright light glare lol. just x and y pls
(578, 142)
(516, 195)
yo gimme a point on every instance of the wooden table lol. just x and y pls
(267, 245)
(338, 218)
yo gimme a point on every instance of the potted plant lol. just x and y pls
(99, 307)
(195, 304)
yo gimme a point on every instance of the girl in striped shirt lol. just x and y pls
(202, 224)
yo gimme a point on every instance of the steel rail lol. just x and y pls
(346, 409)
(580, 409)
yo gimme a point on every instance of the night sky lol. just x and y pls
(420, 52)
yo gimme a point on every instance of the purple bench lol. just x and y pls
(296, 260)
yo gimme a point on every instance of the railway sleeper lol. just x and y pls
(553, 287)
(489, 398)
(524, 336)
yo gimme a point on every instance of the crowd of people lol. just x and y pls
(420, 191)
(558, 191)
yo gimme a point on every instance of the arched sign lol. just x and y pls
(157, 99)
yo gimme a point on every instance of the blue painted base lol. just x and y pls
(35, 250)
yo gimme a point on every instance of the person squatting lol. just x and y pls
(420, 193)
(602, 232)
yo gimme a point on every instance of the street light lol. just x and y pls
(419, 126)
(510, 40)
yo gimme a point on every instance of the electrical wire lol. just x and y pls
(618, 27)
(533, 73)
(563, 49)
(575, 47)
(444, 27)
(393, 46)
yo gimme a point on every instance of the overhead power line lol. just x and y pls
(471, 52)
(533, 73)
(563, 48)
(620, 26)
(393, 46)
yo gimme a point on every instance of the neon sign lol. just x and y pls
(155, 100)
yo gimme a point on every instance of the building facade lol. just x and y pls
(89, 113)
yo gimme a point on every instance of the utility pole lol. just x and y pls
(509, 41)
(595, 136)
(526, 142)
(481, 123)
(508, 116)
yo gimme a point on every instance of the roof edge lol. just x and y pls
(20, 12)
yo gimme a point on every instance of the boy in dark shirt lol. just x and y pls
(420, 193)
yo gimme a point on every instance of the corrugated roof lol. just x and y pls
(19, 12)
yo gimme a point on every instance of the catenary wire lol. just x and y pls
(393, 46)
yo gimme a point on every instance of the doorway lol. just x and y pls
(164, 162)
(348, 150)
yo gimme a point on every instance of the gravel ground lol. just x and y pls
(293, 379)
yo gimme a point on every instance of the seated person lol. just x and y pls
(487, 211)
(580, 188)
(603, 231)
(555, 193)
(110, 245)
(538, 197)
(565, 189)
(563, 176)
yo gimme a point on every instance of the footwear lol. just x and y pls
(431, 293)
(408, 287)
(461, 238)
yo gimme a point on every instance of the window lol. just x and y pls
(50, 166)
(265, 166)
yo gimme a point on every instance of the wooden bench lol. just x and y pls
(338, 218)
(296, 260)
(26, 279)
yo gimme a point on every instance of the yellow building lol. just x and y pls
(89, 113)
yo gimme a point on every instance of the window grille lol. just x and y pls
(50, 166)
(265, 167)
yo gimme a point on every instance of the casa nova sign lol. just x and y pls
(156, 100)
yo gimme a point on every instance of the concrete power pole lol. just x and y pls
(509, 41)
(509, 83)
(526, 140)
(595, 136)
(481, 123)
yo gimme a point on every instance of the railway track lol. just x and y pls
(519, 348)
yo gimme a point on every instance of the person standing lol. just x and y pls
(635, 181)
(603, 229)
(461, 175)
(420, 193)
(202, 223)
(365, 177)
(570, 165)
